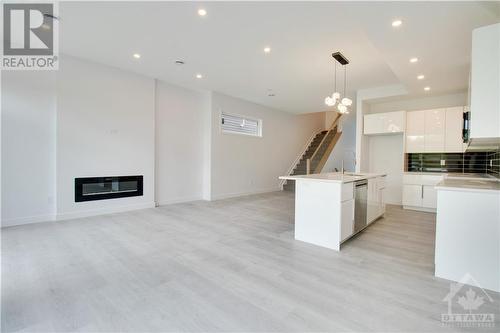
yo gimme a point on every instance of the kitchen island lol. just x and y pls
(332, 207)
(468, 230)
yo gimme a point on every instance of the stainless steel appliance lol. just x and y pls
(360, 205)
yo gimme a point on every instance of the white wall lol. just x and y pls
(345, 149)
(441, 101)
(386, 156)
(244, 164)
(28, 146)
(330, 116)
(105, 127)
(181, 131)
(94, 120)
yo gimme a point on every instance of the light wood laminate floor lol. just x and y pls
(229, 265)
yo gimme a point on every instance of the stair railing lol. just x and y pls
(332, 127)
(296, 161)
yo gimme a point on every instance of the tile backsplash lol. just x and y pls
(473, 162)
(493, 163)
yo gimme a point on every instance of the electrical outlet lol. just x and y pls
(443, 162)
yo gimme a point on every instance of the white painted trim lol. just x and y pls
(28, 220)
(421, 209)
(110, 210)
(242, 194)
(180, 200)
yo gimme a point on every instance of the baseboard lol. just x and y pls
(242, 194)
(179, 200)
(110, 210)
(420, 209)
(28, 220)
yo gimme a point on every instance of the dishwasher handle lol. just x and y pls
(361, 183)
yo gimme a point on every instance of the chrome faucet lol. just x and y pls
(342, 169)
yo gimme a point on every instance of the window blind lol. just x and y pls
(241, 125)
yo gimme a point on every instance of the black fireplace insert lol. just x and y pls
(101, 188)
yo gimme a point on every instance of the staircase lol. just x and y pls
(316, 154)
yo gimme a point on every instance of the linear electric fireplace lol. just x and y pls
(101, 188)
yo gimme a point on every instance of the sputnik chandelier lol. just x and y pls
(336, 99)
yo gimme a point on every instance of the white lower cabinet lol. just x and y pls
(419, 191)
(412, 195)
(429, 196)
(372, 204)
(375, 198)
(347, 219)
(381, 198)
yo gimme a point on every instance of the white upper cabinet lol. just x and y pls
(415, 132)
(434, 130)
(385, 123)
(453, 142)
(485, 84)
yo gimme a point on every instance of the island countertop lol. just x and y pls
(468, 184)
(334, 177)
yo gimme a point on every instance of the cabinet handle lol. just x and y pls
(422, 192)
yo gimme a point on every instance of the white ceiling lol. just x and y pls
(226, 45)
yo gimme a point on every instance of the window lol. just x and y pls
(231, 123)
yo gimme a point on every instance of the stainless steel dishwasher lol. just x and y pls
(360, 205)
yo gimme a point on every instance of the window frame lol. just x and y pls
(259, 125)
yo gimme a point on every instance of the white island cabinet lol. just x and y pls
(325, 206)
(468, 231)
(375, 197)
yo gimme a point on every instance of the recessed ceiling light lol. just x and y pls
(199, 76)
(202, 12)
(397, 23)
(137, 55)
(413, 60)
(421, 77)
(267, 49)
(427, 88)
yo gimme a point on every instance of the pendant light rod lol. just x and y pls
(335, 75)
(345, 79)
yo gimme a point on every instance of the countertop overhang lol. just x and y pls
(334, 177)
